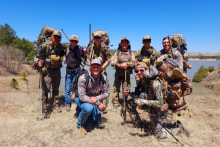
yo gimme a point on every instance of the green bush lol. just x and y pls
(202, 73)
(24, 75)
(14, 83)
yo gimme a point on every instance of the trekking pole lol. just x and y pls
(42, 117)
(165, 128)
(124, 85)
(38, 98)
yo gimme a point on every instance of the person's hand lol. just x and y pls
(40, 63)
(138, 102)
(126, 92)
(93, 100)
(137, 79)
(101, 107)
(124, 65)
(84, 49)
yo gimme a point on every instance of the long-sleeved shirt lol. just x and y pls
(73, 63)
(95, 88)
(154, 93)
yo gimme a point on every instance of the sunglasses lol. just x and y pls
(57, 37)
(137, 71)
(74, 41)
(97, 37)
(145, 41)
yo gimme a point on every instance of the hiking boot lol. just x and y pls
(68, 108)
(57, 108)
(105, 111)
(179, 73)
(182, 129)
(187, 65)
(83, 130)
(115, 106)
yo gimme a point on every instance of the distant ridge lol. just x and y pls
(191, 54)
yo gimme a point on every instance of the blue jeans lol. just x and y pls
(68, 82)
(87, 113)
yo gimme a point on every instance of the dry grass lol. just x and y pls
(19, 127)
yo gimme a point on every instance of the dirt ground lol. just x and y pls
(19, 127)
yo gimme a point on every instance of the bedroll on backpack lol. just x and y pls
(44, 35)
(104, 35)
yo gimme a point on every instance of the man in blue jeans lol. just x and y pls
(74, 53)
(93, 87)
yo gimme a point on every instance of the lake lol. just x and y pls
(196, 64)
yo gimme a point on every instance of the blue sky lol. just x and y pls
(197, 20)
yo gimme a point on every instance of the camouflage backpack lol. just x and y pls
(179, 42)
(44, 35)
(105, 38)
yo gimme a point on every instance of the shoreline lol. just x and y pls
(204, 59)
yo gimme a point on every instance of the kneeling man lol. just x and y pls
(93, 87)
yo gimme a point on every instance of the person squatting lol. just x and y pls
(161, 82)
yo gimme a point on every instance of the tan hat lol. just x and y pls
(97, 34)
(146, 37)
(124, 38)
(74, 37)
(140, 64)
(57, 33)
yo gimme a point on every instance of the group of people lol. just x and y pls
(93, 88)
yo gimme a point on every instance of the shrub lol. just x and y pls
(14, 83)
(24, 75)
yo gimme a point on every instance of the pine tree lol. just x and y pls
(14, 83)
(24, 75)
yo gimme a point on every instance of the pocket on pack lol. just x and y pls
(55, 61)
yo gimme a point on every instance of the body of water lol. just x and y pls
(196, 64)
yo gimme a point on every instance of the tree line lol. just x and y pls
(206, 57)
(202, 73)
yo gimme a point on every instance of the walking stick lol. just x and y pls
(38, 99)
(124, 97)
(42, 117)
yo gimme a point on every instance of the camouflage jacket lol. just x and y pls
(146, 54)
(123, 57)
(177, 56)
(46, 50)
(150, 93)
(100, 53)
(95, 88)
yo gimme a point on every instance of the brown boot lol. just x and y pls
(83, 130)
(68, 108)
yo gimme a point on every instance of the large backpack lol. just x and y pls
(179, 42)
(44, 35)
(104, 35)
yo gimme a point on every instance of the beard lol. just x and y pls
(54, 42)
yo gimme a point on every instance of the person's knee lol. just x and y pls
(87, 108)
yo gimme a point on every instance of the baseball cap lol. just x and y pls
(57, 33)
(96, 61)
(124, 38)
(147, 37)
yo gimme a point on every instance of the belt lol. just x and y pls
(73, 70)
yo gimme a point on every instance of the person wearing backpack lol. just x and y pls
(74, 53)
(146, 53)
(93, 87)
(49, 59)
(123, 61)
(98, 50)
(149, 95)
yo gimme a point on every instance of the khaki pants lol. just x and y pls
(119, 80)
(51, 79)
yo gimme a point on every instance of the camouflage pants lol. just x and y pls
(159, 131)
(50, 79)
(119, 80)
